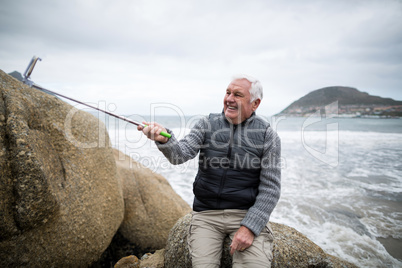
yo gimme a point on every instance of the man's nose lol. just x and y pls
(230, 98)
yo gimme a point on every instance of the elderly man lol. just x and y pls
(238, 181)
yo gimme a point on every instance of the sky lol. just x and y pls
(169, 57)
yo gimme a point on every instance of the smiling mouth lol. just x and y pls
(231, 108)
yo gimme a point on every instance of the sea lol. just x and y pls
(341, 179)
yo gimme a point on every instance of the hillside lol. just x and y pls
(16, 75)
(351, 102)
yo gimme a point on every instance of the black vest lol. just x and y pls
(229, 164)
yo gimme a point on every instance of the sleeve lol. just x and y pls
(270, 185)
(178, 152)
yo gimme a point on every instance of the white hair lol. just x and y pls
(256, 91)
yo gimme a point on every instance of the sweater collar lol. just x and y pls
(249, 119)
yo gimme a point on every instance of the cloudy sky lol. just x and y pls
(134, 55)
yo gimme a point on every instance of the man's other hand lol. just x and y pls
(242, 239)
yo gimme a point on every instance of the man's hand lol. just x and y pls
(242, 239)
(152, 131)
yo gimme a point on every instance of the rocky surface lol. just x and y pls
(291, 249)
(65, 191)
(152, 207)
(155, 260)
(61, 201)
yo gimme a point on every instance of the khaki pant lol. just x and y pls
(208, 230)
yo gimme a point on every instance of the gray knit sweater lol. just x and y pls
(178, 152)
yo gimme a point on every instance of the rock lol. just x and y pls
(149, 260)
(152, 207)
(291, 249)
(155, 260)
(61, 201)
(177, 254)
(128, 262)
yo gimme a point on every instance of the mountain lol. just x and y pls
(350, 102)
(16, 75)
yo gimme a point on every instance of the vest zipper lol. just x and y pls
(229, 156)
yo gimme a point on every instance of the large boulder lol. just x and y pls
(290, 249)
(61, 201)
(152, 207)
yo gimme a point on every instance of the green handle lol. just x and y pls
(163, 133)
(167, 135)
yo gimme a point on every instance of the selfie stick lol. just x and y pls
(27, 81)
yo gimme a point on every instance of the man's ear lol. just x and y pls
(255, 104)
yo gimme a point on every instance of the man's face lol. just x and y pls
(236, 104)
